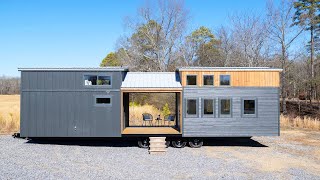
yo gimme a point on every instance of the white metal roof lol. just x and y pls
(151, 80)
(228, 69)
(110, 68)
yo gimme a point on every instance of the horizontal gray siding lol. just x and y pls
(266, 123)
(56, 104)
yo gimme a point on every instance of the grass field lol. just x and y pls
(10, 116)
(9, 113)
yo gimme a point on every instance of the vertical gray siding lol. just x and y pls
(266, 122)
(57, 104)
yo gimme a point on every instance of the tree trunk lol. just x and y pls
(283, 80)
(311, 94)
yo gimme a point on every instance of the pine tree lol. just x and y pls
(166, 110)
(308, 14)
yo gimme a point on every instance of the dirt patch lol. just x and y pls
(292, 150)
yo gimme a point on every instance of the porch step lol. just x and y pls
(157, 145)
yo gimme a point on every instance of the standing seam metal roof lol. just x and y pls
(151, 80)
(109, 68)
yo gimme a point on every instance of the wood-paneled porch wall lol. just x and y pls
(238, 78)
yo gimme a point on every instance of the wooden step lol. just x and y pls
(157, 145)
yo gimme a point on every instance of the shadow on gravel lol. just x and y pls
(245, 142)
(86, 142)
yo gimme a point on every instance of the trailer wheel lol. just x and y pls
(179, 143)
(195, 143)
(167, 144)
(143, 143)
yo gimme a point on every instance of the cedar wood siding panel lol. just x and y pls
(237, 78)
(57, 104)
(266, 123)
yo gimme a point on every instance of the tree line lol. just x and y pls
(285, 35)
(9, 85)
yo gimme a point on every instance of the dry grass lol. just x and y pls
(136, 111)
(9, 113)
(10, 116)
(298, 122)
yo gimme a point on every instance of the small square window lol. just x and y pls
(90, 80)
(208, 107)
(225, 80)
(191, 107)
(192, 80)
(225, 107)
(104, 80)
(208, 80)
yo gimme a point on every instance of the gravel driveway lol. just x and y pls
(295, 154)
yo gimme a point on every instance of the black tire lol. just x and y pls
(179, 143)
(167, 144)
(143, 143)
(195, 143)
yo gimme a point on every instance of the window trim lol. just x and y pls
(186, 108)
(229, 80)
(202, 107)
(212, 80)
(96, 86)
(255, 106)
(231, 104)
(102, 96)
(196, 80)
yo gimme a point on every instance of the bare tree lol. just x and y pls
(9, 85)
(282, 33)
(156, 35)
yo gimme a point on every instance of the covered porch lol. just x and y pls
(151, 104)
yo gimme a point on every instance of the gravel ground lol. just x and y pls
(293, 155)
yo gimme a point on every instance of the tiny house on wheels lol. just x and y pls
(95, 102)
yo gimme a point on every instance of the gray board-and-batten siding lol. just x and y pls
(57, 104)
(266, 122)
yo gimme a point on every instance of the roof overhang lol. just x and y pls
(212, 69)
(151, 90)
(102, 69)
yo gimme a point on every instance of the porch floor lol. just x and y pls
(150, 130)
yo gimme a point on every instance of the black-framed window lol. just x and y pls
(249, 107)
(191, 80)
(100, 80)
(225, 107)
(104, 80)
(90, 80)
(208, 107)
(191, 107)
(224, 80)
(102, 100)
(208, 80)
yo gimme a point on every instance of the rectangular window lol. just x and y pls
(191, 80)
(104, 80)
(92, 80)
(191, 107)
(249, 107)
(208, 80)
(208, 107)
(225, 80)
(103, 100)
(225, 107)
